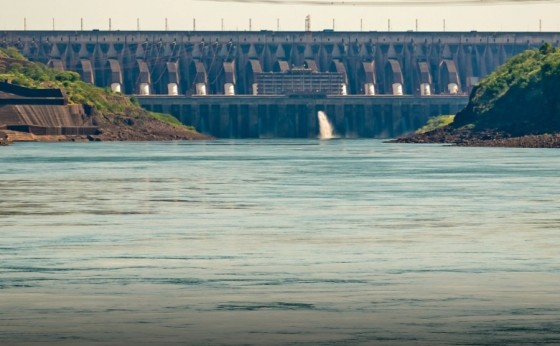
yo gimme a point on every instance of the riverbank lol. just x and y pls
(484, 138)
(113, 128)
(43, 105)
(139, 126)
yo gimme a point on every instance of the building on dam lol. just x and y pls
(272, 84)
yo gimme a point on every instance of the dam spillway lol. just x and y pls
(270, 83)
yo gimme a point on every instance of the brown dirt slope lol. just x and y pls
(139, 127)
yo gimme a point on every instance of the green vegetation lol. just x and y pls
(520, 97)
(170, 120)
(16, 69)
(11, 53)
(436, 122)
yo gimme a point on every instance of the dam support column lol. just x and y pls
(338, 120)
(233, 114)
(360, 121)
(312, 122)
(205, 121)
(253, 121)
(219, 124)
(377, 113)
(283, 124)
(243, 121)
(196, 120)
(349, 121)
(387, 124)
(369, 115)
(302, 121)
(405, 122)
(185, 116)
(262, 114)
(396, 118)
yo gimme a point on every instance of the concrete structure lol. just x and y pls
(190, 65)
(42, 112)
(296, 115)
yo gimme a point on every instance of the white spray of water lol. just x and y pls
(325, 127)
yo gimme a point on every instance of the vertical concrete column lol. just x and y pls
(425, 113)
(349, 120)
(278, 128)
(296, 117)
(302, 121)
(396, 117)
(172, 89)
(397, 89)
(387, 121)
(185, 115)
(425, 89)
(166, 108)
(195, 117)
(369, 89)
(368, 121)
(229, 89)
(225, 125)
(233, 113)
(116, 87)
(338, 116)
(253, 121)
(420, 115)
(213, 120)
(288, 121)
(264, 126)
(144, 89)
(201, 89)
(406, 120)
(377, 111)
(312, 122)
(243, 120)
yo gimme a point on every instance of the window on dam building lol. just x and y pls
(297, 81)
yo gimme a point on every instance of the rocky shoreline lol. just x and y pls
(484, 138)
(140, 128)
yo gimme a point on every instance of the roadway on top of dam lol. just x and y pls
(519, 37)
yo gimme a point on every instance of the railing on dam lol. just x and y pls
(229, 63)
(296, 117)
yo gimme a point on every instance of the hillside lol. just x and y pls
(117, 116)
(517, 105)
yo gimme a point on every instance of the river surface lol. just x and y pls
(300, 242)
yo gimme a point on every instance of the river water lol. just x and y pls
(300, 242)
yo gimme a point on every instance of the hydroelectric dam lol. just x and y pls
(250, 84)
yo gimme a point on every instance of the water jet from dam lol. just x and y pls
(325, 127)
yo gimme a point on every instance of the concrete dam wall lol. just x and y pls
(214, 80)
(46, 119)
(296, 117)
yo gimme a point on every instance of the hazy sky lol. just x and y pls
(39, 15)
